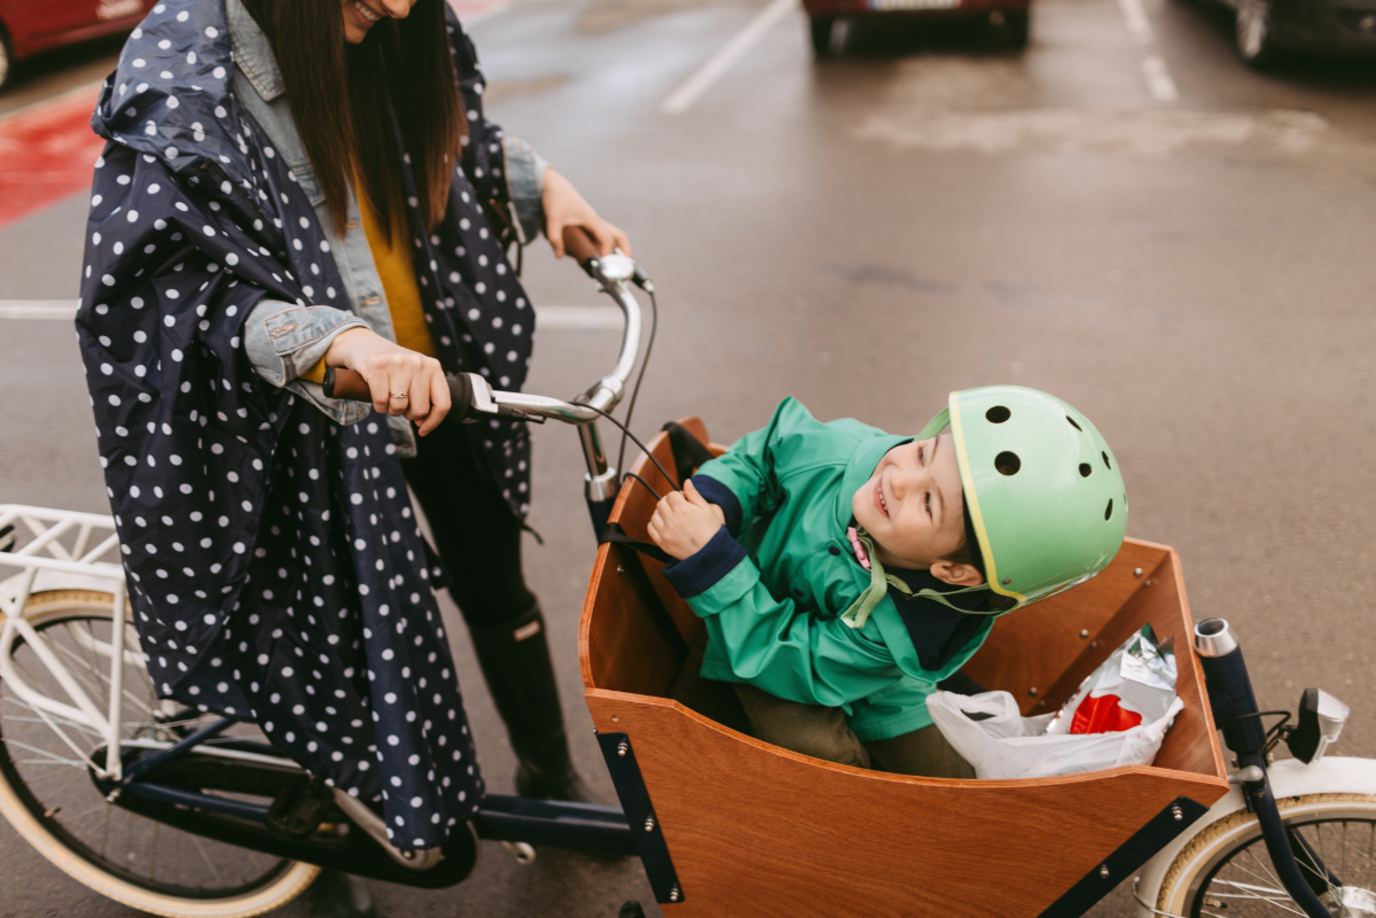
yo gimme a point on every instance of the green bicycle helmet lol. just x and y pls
(1044, 495)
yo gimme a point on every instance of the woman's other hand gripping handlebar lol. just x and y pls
(365, 367)
(399, 382)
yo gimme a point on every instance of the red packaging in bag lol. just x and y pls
(1135, 684)
(1104, 714)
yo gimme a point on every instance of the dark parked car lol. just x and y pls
(1008, 18)
(30, 26)
(1264, 27)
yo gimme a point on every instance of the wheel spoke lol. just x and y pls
(34, 747)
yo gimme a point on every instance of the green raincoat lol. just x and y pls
(773, 618)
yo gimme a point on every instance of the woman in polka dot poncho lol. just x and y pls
(276, 569)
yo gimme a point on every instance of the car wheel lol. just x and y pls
(1009, 28)
(6, 59)
(822, 27)
(1252, 33)
(1016, 28)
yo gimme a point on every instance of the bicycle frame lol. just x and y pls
(133, 783)
(142, 773)
(1239, 718)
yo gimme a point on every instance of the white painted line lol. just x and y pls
(1139, 26)
(681, 99)
(578, 317)
(38, 309)
(1159, 82)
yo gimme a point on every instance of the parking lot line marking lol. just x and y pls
(681, 99)
(1139, 26)
(546, 317)
(578, 317)
(38, 309)
(1159, 82)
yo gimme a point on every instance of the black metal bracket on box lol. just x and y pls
(640, 813)
(1123, 863)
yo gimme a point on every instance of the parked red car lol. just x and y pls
(1008, 18)
(30, 26)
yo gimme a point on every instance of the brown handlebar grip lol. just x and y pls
(579, 244)
(342, 383)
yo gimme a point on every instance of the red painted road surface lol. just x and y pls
(47, 152)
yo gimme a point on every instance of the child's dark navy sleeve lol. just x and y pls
(700, 571)
(714, 492)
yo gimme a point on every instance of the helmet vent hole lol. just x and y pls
(998, 414)
(1073, 424)
(1108, 511)
(1108, 465)
(1007, 463)
(1085, 469)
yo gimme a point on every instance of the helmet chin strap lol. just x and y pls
(859, 611)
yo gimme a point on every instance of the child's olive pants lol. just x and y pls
(814, 730)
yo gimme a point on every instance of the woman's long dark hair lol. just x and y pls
(342, 97)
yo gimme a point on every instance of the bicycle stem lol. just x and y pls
(1235, 709)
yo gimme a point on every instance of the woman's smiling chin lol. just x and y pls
(358, 19)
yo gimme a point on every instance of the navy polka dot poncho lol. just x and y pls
(276, 570)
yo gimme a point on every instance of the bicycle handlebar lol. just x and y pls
(473, 396)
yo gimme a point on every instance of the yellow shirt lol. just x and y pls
(398, 275)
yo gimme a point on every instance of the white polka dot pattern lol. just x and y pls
(276, 570)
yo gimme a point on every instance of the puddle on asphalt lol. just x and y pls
(950, 104)
(511, 89)
(608, 15)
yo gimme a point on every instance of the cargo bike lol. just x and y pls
(180, 813)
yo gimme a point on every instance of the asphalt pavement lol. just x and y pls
(1122, 215)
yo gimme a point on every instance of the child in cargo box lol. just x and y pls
(843, 572)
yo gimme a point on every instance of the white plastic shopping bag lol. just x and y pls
(1118, 717)
(1008, 745)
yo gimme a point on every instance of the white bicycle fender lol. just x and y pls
(1333, 774)
(52, 580)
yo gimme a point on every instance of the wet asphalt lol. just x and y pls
(922, 212)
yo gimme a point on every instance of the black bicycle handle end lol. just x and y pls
(460, 397)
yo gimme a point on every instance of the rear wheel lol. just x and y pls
(821, 29)
(47, 791)
(1226, 871)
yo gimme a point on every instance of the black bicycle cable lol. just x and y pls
(635, 392)
(636, 440)
(645, 484)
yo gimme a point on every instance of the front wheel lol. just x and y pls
(1226, 871)
(48, 795)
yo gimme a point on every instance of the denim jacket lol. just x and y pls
(284, 340)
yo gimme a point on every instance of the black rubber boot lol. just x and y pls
(520, 675)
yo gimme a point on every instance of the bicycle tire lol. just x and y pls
(38, 824)
(1193, 886)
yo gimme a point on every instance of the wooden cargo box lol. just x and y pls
(755, 830)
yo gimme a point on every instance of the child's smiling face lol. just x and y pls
(911, 506)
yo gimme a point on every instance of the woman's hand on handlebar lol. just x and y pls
(565, 207)
(392, 372)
